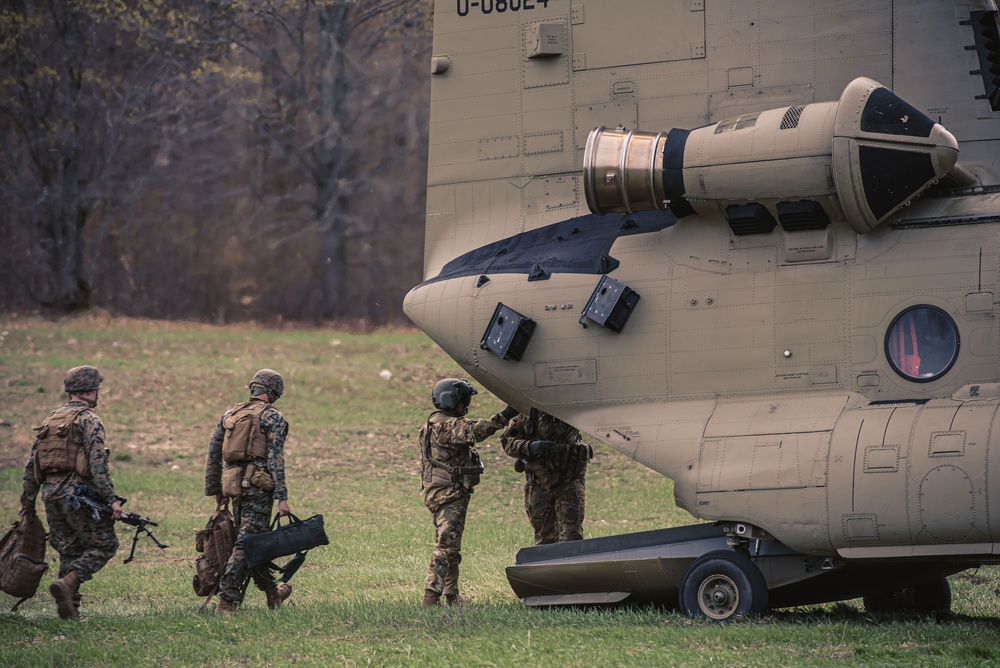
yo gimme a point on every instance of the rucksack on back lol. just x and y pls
(56, 451)
(22, 558)
(215, 544)
(244, 440)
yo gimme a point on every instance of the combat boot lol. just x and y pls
(431, 598)
(455, 599)
(277, 594)
(62, 591)
(225, 607)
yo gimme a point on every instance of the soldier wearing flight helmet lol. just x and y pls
(450, 469)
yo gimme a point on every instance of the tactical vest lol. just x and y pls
(568, 462)
(57, 451)
(451, 471)
(244, 441)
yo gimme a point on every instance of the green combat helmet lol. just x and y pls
(82, 379)
(270, 380)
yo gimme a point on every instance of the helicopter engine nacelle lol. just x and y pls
(858, 159)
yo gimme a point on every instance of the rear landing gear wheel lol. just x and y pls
(722, 586)
(926, 598)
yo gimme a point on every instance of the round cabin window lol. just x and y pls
(922, 343)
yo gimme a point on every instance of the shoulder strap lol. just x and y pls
(532, 426)
(69, 416)
(427, 446)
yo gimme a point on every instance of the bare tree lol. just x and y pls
(337, 122)
(220, 160)
(78, 81)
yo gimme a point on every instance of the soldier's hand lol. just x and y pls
(540, 448)
(283, 509)
(508, 412)
(26, 510)
(219, 498)
(116, 510)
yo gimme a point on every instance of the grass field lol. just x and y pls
(352, 456)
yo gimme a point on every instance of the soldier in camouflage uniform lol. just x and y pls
(450, 468)
(250, 469)
(554, 461)
(68, 453)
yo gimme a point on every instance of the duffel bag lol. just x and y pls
(284, 539)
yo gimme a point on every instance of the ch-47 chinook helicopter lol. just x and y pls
(753, 246)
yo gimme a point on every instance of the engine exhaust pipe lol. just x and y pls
(622, 170)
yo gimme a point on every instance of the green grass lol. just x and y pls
(352, 456)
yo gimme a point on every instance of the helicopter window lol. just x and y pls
(922, 343)
(887, 114)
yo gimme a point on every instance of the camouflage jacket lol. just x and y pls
(450, 439)
(88, 431)
(275, 428)
(568, 460)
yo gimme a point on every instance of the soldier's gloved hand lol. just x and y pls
(540, 448)
(508, 412)
(27, 510)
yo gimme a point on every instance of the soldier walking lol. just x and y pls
(246, 462)
(69, 453)
(450, 469)
(554, 461)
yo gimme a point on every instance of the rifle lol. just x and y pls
(83, 496)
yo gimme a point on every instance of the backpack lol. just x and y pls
(215, 544)
(56, 451)
(244, 440)
(22, 558)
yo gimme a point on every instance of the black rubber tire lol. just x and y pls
(926, 598)
(722, 586)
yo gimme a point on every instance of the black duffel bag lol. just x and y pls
(296, 537)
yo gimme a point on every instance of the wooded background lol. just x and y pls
(217, 160)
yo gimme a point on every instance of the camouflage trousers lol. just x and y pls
(556, 513)
(83, 545)
(449, 524)
(252, 513)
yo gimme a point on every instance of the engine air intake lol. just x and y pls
(860, 158)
